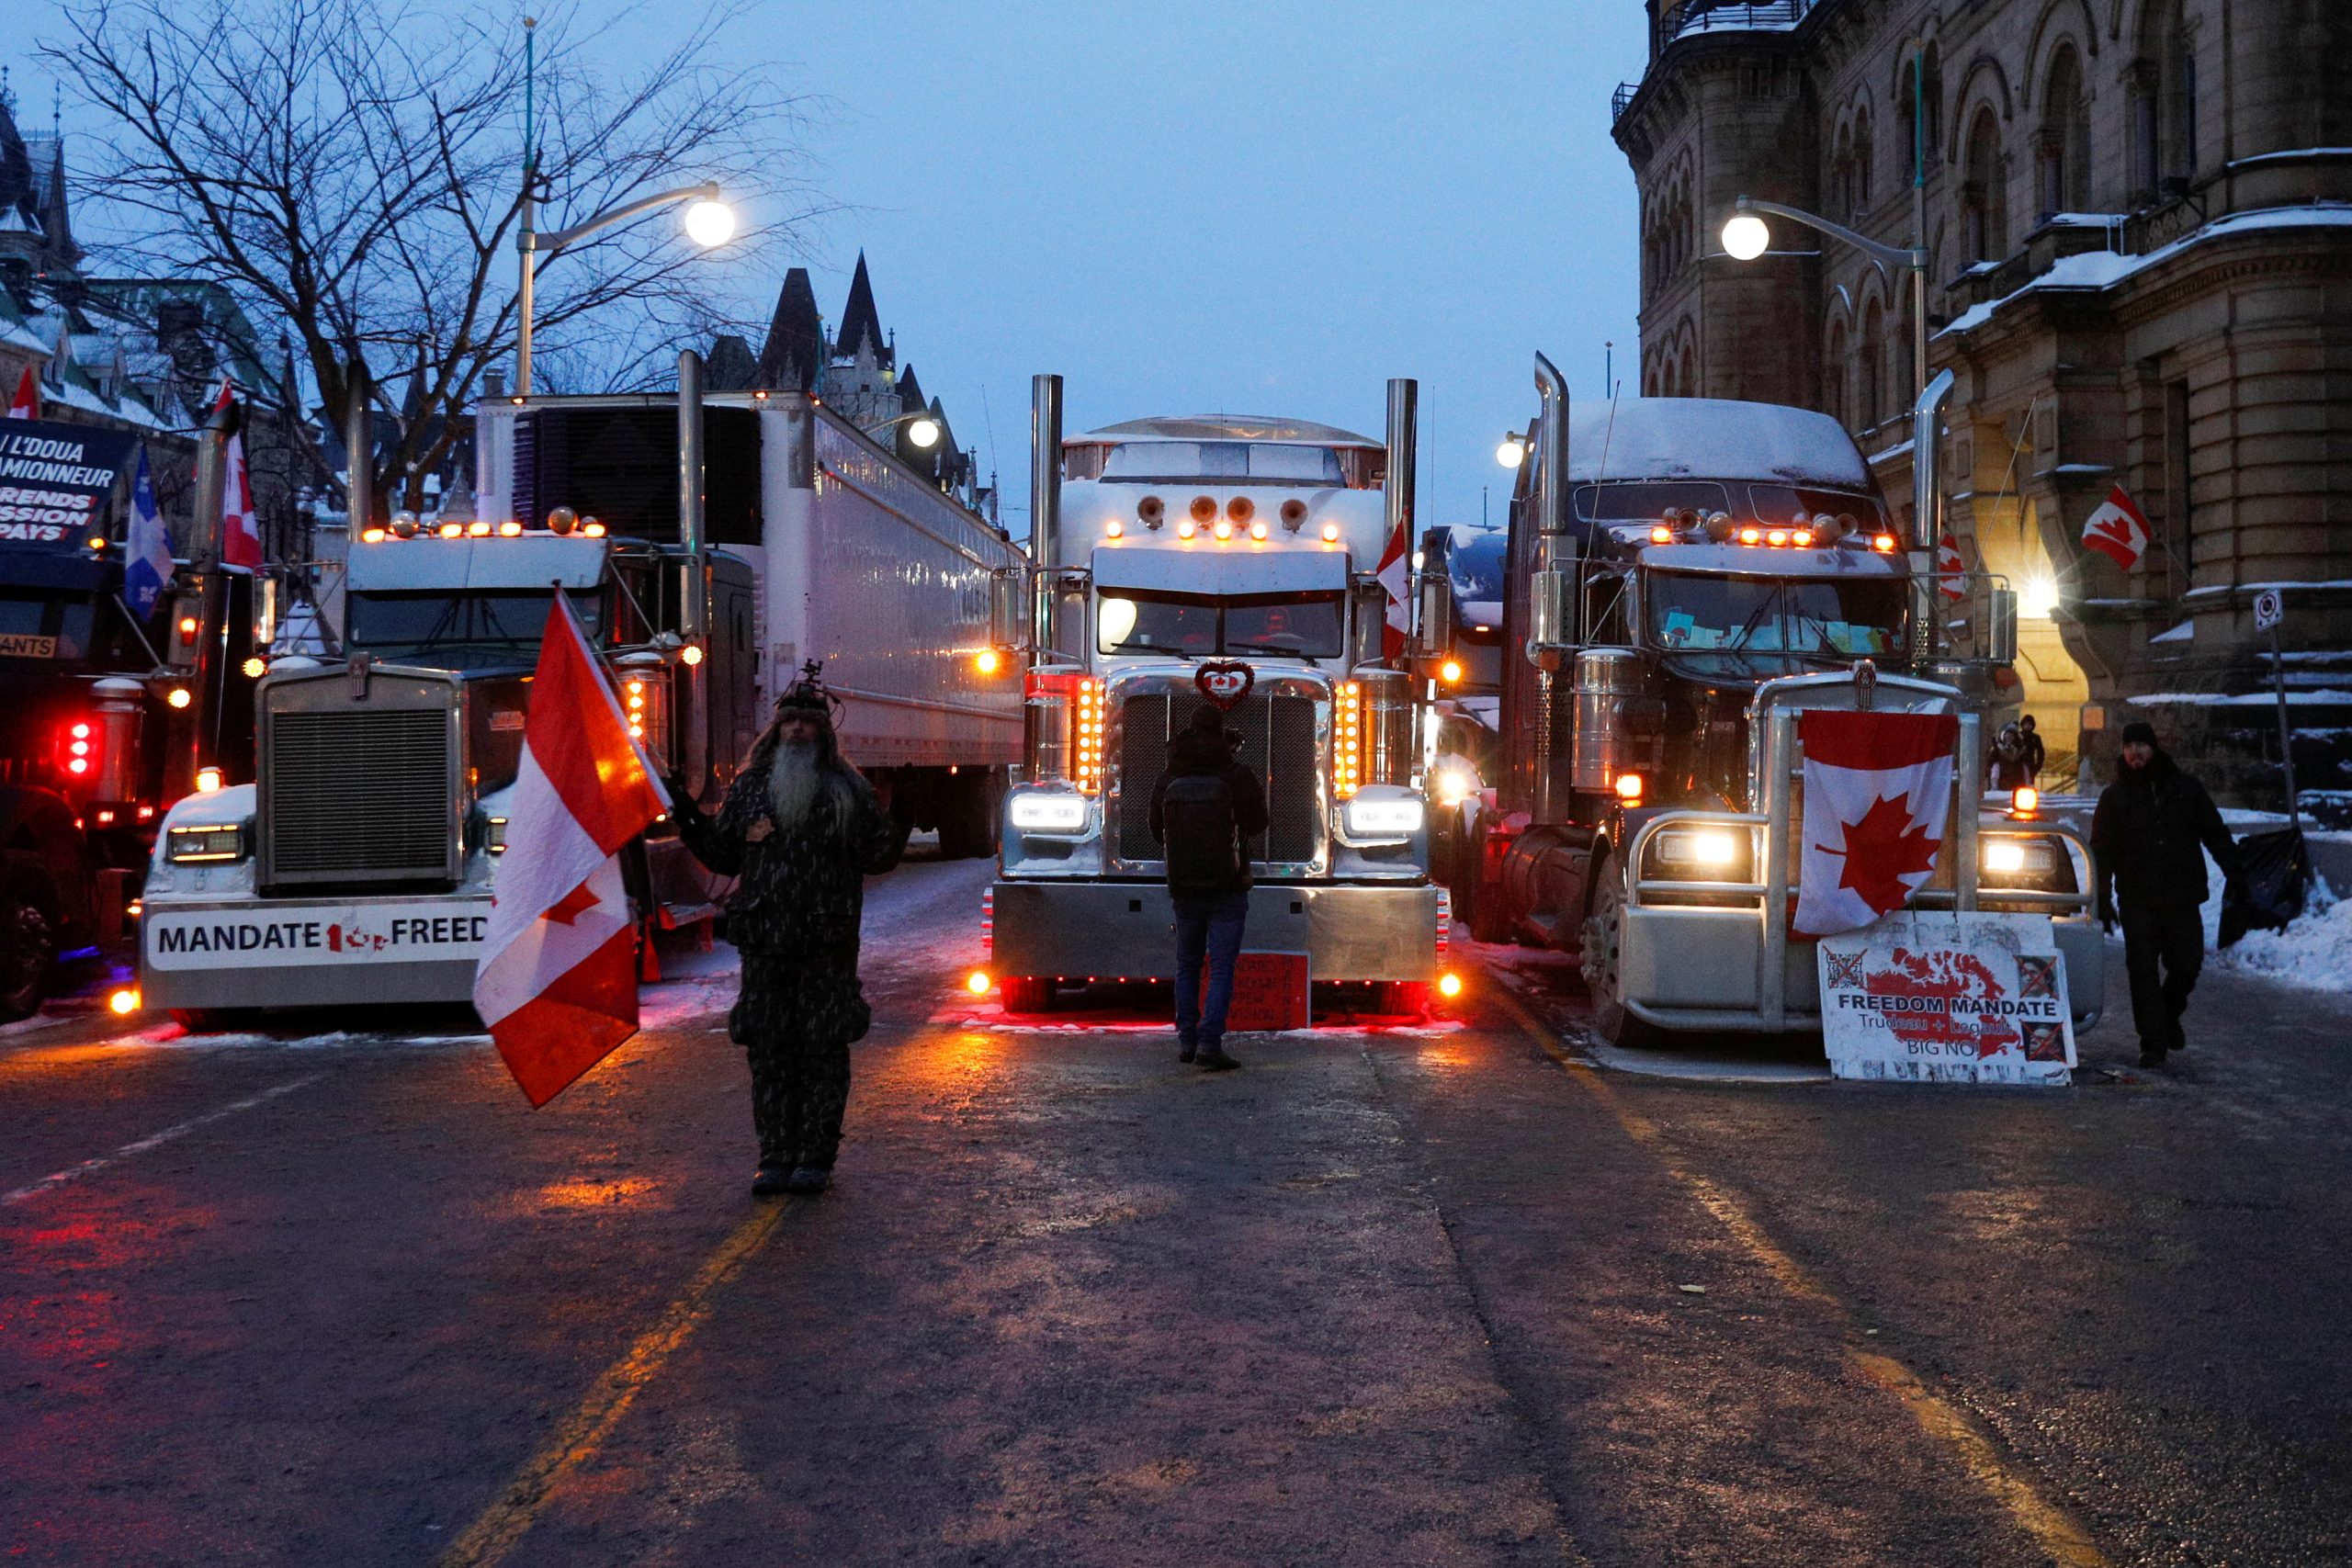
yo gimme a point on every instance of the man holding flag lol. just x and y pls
(803, 831)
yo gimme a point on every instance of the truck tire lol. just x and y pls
(1026, 993)
(1489, 909)
(968, 814)
(28, 942)
(216, 1021)
(1602, 930)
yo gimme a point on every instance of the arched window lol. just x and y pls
(1862, 151)
(2065, 146)
(1842, 174)
(1689, 371)
(1984, 198)
(1833, 373)
(2164, 102)
(1869, 404)
(1907, 111)
(1906, 375)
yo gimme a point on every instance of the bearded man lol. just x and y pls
(803, 831)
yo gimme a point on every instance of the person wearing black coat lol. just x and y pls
(2037, 755)
(2150, 835)
(1205, 834)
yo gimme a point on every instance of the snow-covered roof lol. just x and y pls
(1675, 438)
(2104, 269)
(1228, 427)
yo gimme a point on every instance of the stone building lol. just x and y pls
(2138, 215)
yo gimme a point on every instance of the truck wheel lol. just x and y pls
(215, 1021)
(1026, 993)
(28, 944)
(1603, 930)
(1490, 910)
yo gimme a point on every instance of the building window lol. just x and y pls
(1869, 406)
(1983, 198)
(1863, 162)
(2180, 500)
(2066, 141)
(2164, 103)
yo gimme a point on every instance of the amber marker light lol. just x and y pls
(1884, 543)
(1800, 537)
(1258, 528)
(451, 530)
(1330, 533)
(256, 667)
(1629, 788)
(1449, 985)
(1450, 672)
(986, 662)
(1751, 535)
(2024, 801)
(372, 535)
(1661, 534)
(123, 1002)
(208, 780)
(691, 654)
(1777, 537)
(592, 529)
(1224, 530)
(977, 982)
(1185, 529)
(509, 530)
(1114, 529)
(178, 697)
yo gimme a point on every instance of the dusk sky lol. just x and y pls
(1202, 207)
(1193, 207)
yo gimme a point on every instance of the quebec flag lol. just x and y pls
(149, 570)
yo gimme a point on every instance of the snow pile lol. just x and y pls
(2314, 953)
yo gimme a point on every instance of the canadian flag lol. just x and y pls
(27, 402)
(2116, 530)
(557, 982)
(1396, 575)
(1951, 572)
(1877, 799)
(240, 532)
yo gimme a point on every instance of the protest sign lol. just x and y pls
(1931, 998)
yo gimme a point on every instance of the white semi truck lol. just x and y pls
(358, 868)
(1170, 555)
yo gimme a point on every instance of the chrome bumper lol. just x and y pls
(304, 953)
(1351, 932)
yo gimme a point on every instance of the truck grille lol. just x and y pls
(1277, 744)
(359, 795)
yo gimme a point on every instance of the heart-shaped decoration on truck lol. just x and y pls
(1225, 682)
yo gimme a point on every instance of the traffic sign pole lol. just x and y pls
(2270, 609)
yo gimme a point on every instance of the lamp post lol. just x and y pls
(921, 429)
(1746, 236)
(710, 222)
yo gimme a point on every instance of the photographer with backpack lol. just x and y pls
(1204, 810)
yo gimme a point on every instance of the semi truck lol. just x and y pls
(107, 717)
(706, 567)
(1183, 560)
(1685, 577)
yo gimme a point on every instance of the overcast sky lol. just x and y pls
(1199, 207)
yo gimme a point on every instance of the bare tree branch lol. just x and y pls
(353, 171)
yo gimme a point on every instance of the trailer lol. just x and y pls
(357, 867)
(107, 717)
(1685, 578)
(1181, 561)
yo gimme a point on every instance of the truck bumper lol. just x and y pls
(1071, 930)
(1684, 968)
(301, 953)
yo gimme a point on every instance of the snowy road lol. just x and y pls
(1447, 1295)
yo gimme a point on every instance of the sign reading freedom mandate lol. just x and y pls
(1926, 997)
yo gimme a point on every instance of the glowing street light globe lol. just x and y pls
(1511, 452)
(923, 432)
(1745, 237)
(710, 223)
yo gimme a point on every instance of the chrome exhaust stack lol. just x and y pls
(1044, 508)
(1926, 514)
(1551, 594)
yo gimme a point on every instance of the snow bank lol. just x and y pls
(2313, 952)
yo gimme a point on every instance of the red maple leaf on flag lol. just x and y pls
(1882, 849)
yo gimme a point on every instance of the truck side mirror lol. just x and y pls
(1008, 608)
(2002, 641)
(1437, 614)
(1549, 607)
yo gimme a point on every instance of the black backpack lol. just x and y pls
(1203, 835)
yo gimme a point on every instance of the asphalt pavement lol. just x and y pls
(1437, 1294)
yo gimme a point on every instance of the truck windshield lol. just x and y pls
(452, 631)
(1645, 501)
(1151, 461)
(1308, 626)
(47, 626)
(1844, 617)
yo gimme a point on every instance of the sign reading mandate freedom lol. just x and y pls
(1927, 997)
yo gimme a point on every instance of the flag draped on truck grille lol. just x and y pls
(1877, 802)
(557, 982)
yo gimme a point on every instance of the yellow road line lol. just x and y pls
(2052, 1529)
(505, 1523)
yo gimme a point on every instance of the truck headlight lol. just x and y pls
(186, 846)
(1049, 811)
(1455, 784)
(496, 838)
(1700, 854)
(1384, 817)
(2014, 859)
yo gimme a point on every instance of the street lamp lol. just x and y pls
(921, 429)
(1746, 236)
(710, 222)
(1512, 452)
